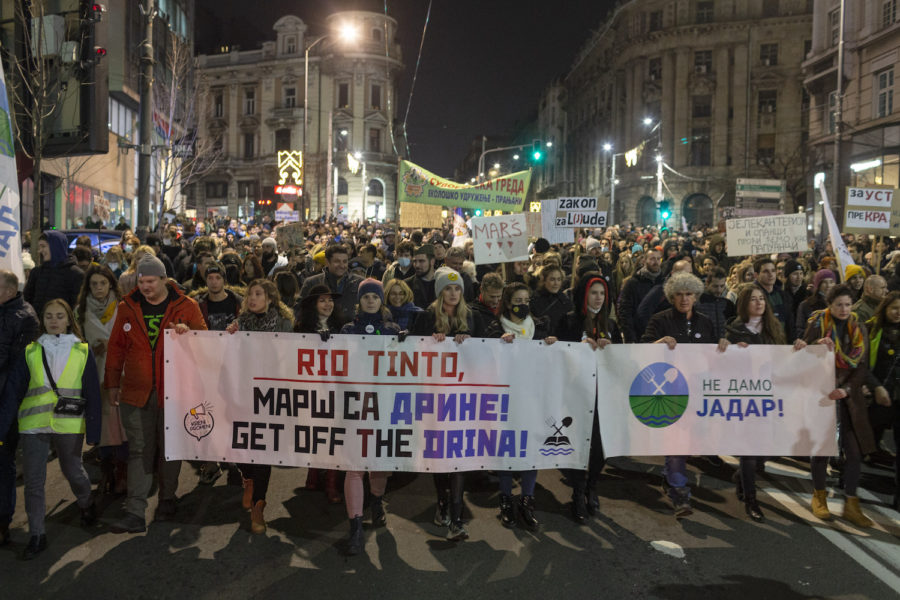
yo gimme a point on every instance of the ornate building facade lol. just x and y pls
(257, 108)
(712, 87)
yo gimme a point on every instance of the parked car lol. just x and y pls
(101, 239)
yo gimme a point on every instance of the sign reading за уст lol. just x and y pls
(869, 210)
(766, 235)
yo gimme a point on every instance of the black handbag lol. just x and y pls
(71, 406)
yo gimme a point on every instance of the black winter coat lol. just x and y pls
(425, 323)
(60, 277)
(553, 306)
(671, 322)
(633, 291)
(19, 326)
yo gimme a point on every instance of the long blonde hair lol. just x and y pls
(443, 323)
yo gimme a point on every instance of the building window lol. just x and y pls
(216, 189)
(375, 188)
(341, 139)
(342, 187)
(343, 95)
(282, 139)
(884, 90)
(248, 145)
(654, 69)
(701, 106)
(249, 102)
(290, 97)
(247, 190)
(831, 121)
(218, 105)
(655, 21)
(834, 25)
(888, 13)
(705, 10)
(768, 54)
(768, 101)
(765, 149)
(374, 140)
(700, 150)
(703, 61)
(376, 97)
(376, 35)
(770, 8)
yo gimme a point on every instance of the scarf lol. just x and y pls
(523, 330)
(267, 321)
(102, 309)
(754, 324)
(844, 358)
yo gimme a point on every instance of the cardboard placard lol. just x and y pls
(413, 214)
(290, 236)
(766, 235)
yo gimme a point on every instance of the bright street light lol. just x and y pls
(496, 165)
(549, 144)
(347, 32)
(515, 157)
(647, 120)
(607, 147)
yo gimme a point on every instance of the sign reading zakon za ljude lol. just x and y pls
(870, 210)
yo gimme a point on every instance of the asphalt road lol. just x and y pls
(634, 549)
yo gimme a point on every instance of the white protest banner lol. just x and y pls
(869, 210)
(10, 234)
(500, 239)
(371, 402)
(766, 235)
(549, 230)
(754, 401)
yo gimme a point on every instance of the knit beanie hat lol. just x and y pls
(370, 286)
(446, 276)
(791, 266)
(150, 266)
(591, 243)
(821, 275)
(852, 271)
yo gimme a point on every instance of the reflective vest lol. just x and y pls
(36, 410)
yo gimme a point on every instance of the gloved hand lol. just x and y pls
(401, 335)
(325, 335)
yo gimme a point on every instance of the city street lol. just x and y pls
(633, 549)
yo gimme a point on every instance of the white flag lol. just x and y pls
(10, 232)
(837, 242)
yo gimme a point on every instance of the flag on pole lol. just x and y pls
(837, 242)
(10, 216)
(460, 231)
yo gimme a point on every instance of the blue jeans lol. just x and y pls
(675, 473)
(8, 478)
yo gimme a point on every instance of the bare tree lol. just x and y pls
(179, 100)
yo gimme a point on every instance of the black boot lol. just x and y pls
(593, 502)
(36, 545)
(442, 512)
(753, 510)
(4, 534)
(579, 506)
(89, 515)
(526, 513)
(379, 518)
(355, 543)
(507, 512)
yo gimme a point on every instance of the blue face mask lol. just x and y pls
(404, 262)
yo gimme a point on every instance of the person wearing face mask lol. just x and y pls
(837, 327)
(516, 323)
(115, 261)
(884, 363)
(549, 300)
(823, 281)
(400, 303)
(755, 324)
(56, 388)
(590, 324)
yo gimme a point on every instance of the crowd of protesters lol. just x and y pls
(81, 350)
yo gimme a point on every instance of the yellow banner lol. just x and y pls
(505, 193)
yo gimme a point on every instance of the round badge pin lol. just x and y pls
(126, 327)
(696, 335)
(370, 328)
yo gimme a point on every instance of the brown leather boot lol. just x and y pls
(257, 520)
(820, 505)
(853, 513)
(247, 498)
(312, 479)
(332, 479)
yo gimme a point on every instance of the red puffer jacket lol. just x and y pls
(130, 361)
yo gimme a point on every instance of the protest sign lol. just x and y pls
(500, 239)
(505, 193)
(766, 235)
(869, 210)
(285, 212)
(754, 401)
(289, 235)
(10, 217)
(413, 214)
(373, 403)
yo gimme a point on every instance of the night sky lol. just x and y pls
(483, 67)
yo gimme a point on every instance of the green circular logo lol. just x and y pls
(658, 395)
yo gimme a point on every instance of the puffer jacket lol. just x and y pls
(553, 306)
(19, 326)
(131, 363)
(58, 278)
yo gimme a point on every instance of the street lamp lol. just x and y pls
(346, 33)
(612, 180)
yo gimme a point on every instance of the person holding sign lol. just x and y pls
(449, 316)
(516, 322)
(56, 387)
(756, 323)
(681, 324)
(262, 310)
(838, 328)
(591, 324)
(372, 318)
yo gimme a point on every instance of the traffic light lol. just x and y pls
(664, 211)
(477, 212)
(536, 151)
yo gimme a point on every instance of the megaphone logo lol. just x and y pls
(198, 421)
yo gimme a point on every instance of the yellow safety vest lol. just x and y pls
(36, 410)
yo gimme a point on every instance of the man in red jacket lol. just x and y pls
(134, 378)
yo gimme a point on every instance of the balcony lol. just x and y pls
(284, 117)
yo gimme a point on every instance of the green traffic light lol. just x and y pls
(537, 156)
